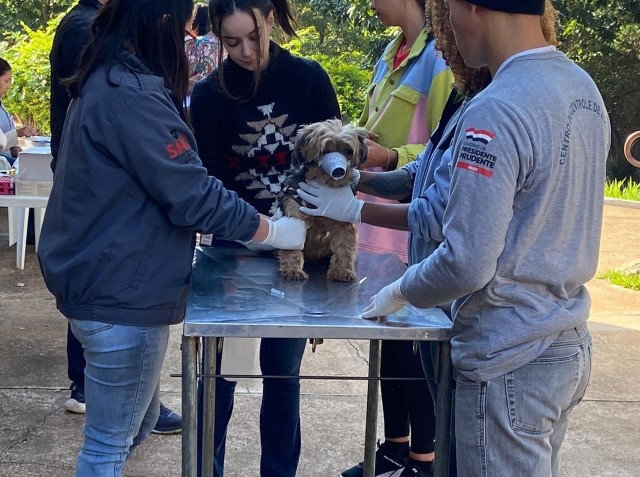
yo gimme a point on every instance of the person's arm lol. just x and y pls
(479, 210)
(393, 185)
(11, 138)
(426, 211)
(154, 145)
(209, 125)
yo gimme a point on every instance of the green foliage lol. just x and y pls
(604, 38)
(33, 13)
(623, 279)
(346, 38)
(345, 70)
(341, 27)
(28, 56)
(625, 189)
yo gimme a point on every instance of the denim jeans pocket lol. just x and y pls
(538, 391)
(471, 411)
(89, 328)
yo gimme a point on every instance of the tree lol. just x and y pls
(34, 14)
(346, 39)
(604, 38)
(27, 52)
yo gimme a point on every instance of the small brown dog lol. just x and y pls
(325, 152)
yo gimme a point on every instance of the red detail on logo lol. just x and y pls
(233, 162)
(282, 157)
(178, 147)
(263, 160)
(472, 168)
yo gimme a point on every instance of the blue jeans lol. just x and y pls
(279, 414)
(515, 424)
(122, 378)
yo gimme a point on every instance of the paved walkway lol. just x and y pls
(37, 438)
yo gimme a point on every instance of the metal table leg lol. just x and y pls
(208, 404)
(189, 406)
(372, 409)
(443, 409)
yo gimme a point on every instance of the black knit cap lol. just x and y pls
(530, 7)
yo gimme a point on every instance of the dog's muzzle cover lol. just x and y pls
(334, 164)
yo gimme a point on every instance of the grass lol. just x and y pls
(625, 189)
(623, 279)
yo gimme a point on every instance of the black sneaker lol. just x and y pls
(76, 403)
(387, 464)
(168, 422)
(411, 471)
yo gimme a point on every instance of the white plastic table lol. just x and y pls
(240, 293)
(18, 229)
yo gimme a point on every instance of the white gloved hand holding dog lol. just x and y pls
(287, 233)
(337, 203)
(386, 302)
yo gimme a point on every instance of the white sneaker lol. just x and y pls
(75, 403)
(76, 407)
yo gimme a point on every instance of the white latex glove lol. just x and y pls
(257, 246)
(337, 203)
(355, 178)
(386, 302)
(260, 246)
(286, 233)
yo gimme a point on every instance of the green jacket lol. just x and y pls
(404, 106)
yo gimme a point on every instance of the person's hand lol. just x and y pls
(260, 246)
(26, 131)
(287, 233)
(355, 178)
(15, 151)
(378, 156)
(337, 203)
(386, 302)
(257, 246)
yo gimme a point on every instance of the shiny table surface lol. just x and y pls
(238, 292)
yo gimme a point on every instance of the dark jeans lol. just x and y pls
(75, 360)
(279, 414)
(407, 405)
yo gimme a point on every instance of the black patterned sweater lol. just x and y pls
(248, 144)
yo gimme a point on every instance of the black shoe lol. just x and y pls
(76, 403)
(168, 422)
(388, 464)
(413, 471)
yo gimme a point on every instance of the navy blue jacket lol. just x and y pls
(128, 195)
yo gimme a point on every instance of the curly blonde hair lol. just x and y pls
(471, 80)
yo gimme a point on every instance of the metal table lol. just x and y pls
(236, 292)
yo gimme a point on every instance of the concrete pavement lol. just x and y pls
(38, 438)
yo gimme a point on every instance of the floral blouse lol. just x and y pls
(202, 53)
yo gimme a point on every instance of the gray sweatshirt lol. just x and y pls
(522, 225)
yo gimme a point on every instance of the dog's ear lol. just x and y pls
(297, 157)
(363, 149)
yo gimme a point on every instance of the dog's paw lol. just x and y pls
(341, 275)
(294, 275)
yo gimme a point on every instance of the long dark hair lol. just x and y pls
(200, 24)
(153, 30)
(4, 66)
(219, 9)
